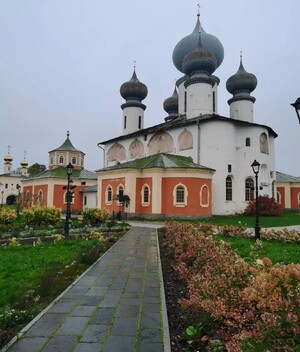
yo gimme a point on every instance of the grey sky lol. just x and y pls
(62, 63)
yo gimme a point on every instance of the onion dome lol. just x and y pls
(24, 163)
(134, 89)
(241, 82)
(199, 60)
(171, 105)
(189, 43)
(8, 158)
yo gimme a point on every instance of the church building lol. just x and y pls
(196, 162)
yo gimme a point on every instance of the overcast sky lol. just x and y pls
(62, 63)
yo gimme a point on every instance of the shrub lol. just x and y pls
(38, 215)
(7, 216)
(267, 206)
(94, 216)
(255, 307)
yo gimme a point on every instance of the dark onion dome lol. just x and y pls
(241, 82)
(133, 89)
(199, 60)
(190, 43)
(171, 103)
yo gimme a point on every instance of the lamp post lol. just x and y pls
(296, 105)
(69, 169)
(2, 192)
(255, 167)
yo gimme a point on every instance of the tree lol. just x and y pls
(36, 169)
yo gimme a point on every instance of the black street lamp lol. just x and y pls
(255, 167)
(296, 105)
(69, 169)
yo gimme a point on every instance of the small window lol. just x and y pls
(85, 200)
(125, 122)
(61, 159)
(145, 195)
(248, 142)
(140, 122)
(229, 168)
(109, 194)
(180, 194)
(185, 101)
(228, 188)
(40, 197)
(271, 174)
(6, 185)
(74, 161)
(214, 101)
(83, 183)
(249, 189)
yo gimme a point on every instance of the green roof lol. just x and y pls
(60, 172)
(66, 146)
(161, 160)
(281, 177)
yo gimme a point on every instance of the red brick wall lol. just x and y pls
(139, 208)
(193, 186)
(114, 183)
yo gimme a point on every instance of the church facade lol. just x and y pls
(223, 146)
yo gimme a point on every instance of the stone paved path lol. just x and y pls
(116, 306)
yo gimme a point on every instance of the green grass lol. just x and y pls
(22, 267)
(288, 218)
(278, 252)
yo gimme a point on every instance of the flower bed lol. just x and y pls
(253, 307)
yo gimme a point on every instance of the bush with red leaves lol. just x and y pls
(267, 206)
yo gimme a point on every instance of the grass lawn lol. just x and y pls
(288, 218)
(277, 251)
(22, 267)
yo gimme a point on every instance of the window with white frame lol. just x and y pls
(61, 159)
(278, 197)
(249, 189)
(109, 195)
(74, 160)
(204, 196)
(120, 193)
(180, 195)
(145, 195)
(40, 197)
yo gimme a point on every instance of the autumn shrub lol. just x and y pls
(267, 206)
(95, 216)
(39, 215)
(250, 304)
(7, 216)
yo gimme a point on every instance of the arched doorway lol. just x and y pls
(11, 200)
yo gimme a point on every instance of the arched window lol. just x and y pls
(120, 194)
(145, 195)
(74, 160)
(248, 142)
(61, 159)
(6, 185)
(204, 196)
(40, 197)
(249, 189)
(228, 188)
(108, 194)
(180, 195)
(278, 197)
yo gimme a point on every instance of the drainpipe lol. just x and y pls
(198, 142)
(98, 144)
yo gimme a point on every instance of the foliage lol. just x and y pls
(7, 216)
(38, 215)
(95, 216)
(267, 206)
(35, 169)
(251, 303)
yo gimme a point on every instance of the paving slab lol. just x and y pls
(116, 305)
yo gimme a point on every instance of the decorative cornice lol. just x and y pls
(240, 98)
(135, 104)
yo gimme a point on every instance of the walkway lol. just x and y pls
(117, 305)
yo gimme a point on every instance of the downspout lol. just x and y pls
(98, 144)
(198, 142)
